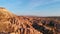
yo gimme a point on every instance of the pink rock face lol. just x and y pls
(13, 24)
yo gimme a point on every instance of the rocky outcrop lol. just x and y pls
(13, 24)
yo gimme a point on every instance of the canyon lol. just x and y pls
(14, 24)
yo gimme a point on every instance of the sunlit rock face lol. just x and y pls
(13, 24)
(5, 20)
(4, 13)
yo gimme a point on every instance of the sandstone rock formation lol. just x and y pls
(13, 24)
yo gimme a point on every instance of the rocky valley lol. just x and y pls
(13, 24)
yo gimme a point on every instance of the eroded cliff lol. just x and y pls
(13, 24)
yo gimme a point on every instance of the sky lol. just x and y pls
(32, 7)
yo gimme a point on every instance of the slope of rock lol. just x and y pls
(13, 24)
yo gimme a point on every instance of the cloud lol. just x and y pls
(26, 7)
(31, 4)
(35, 3)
